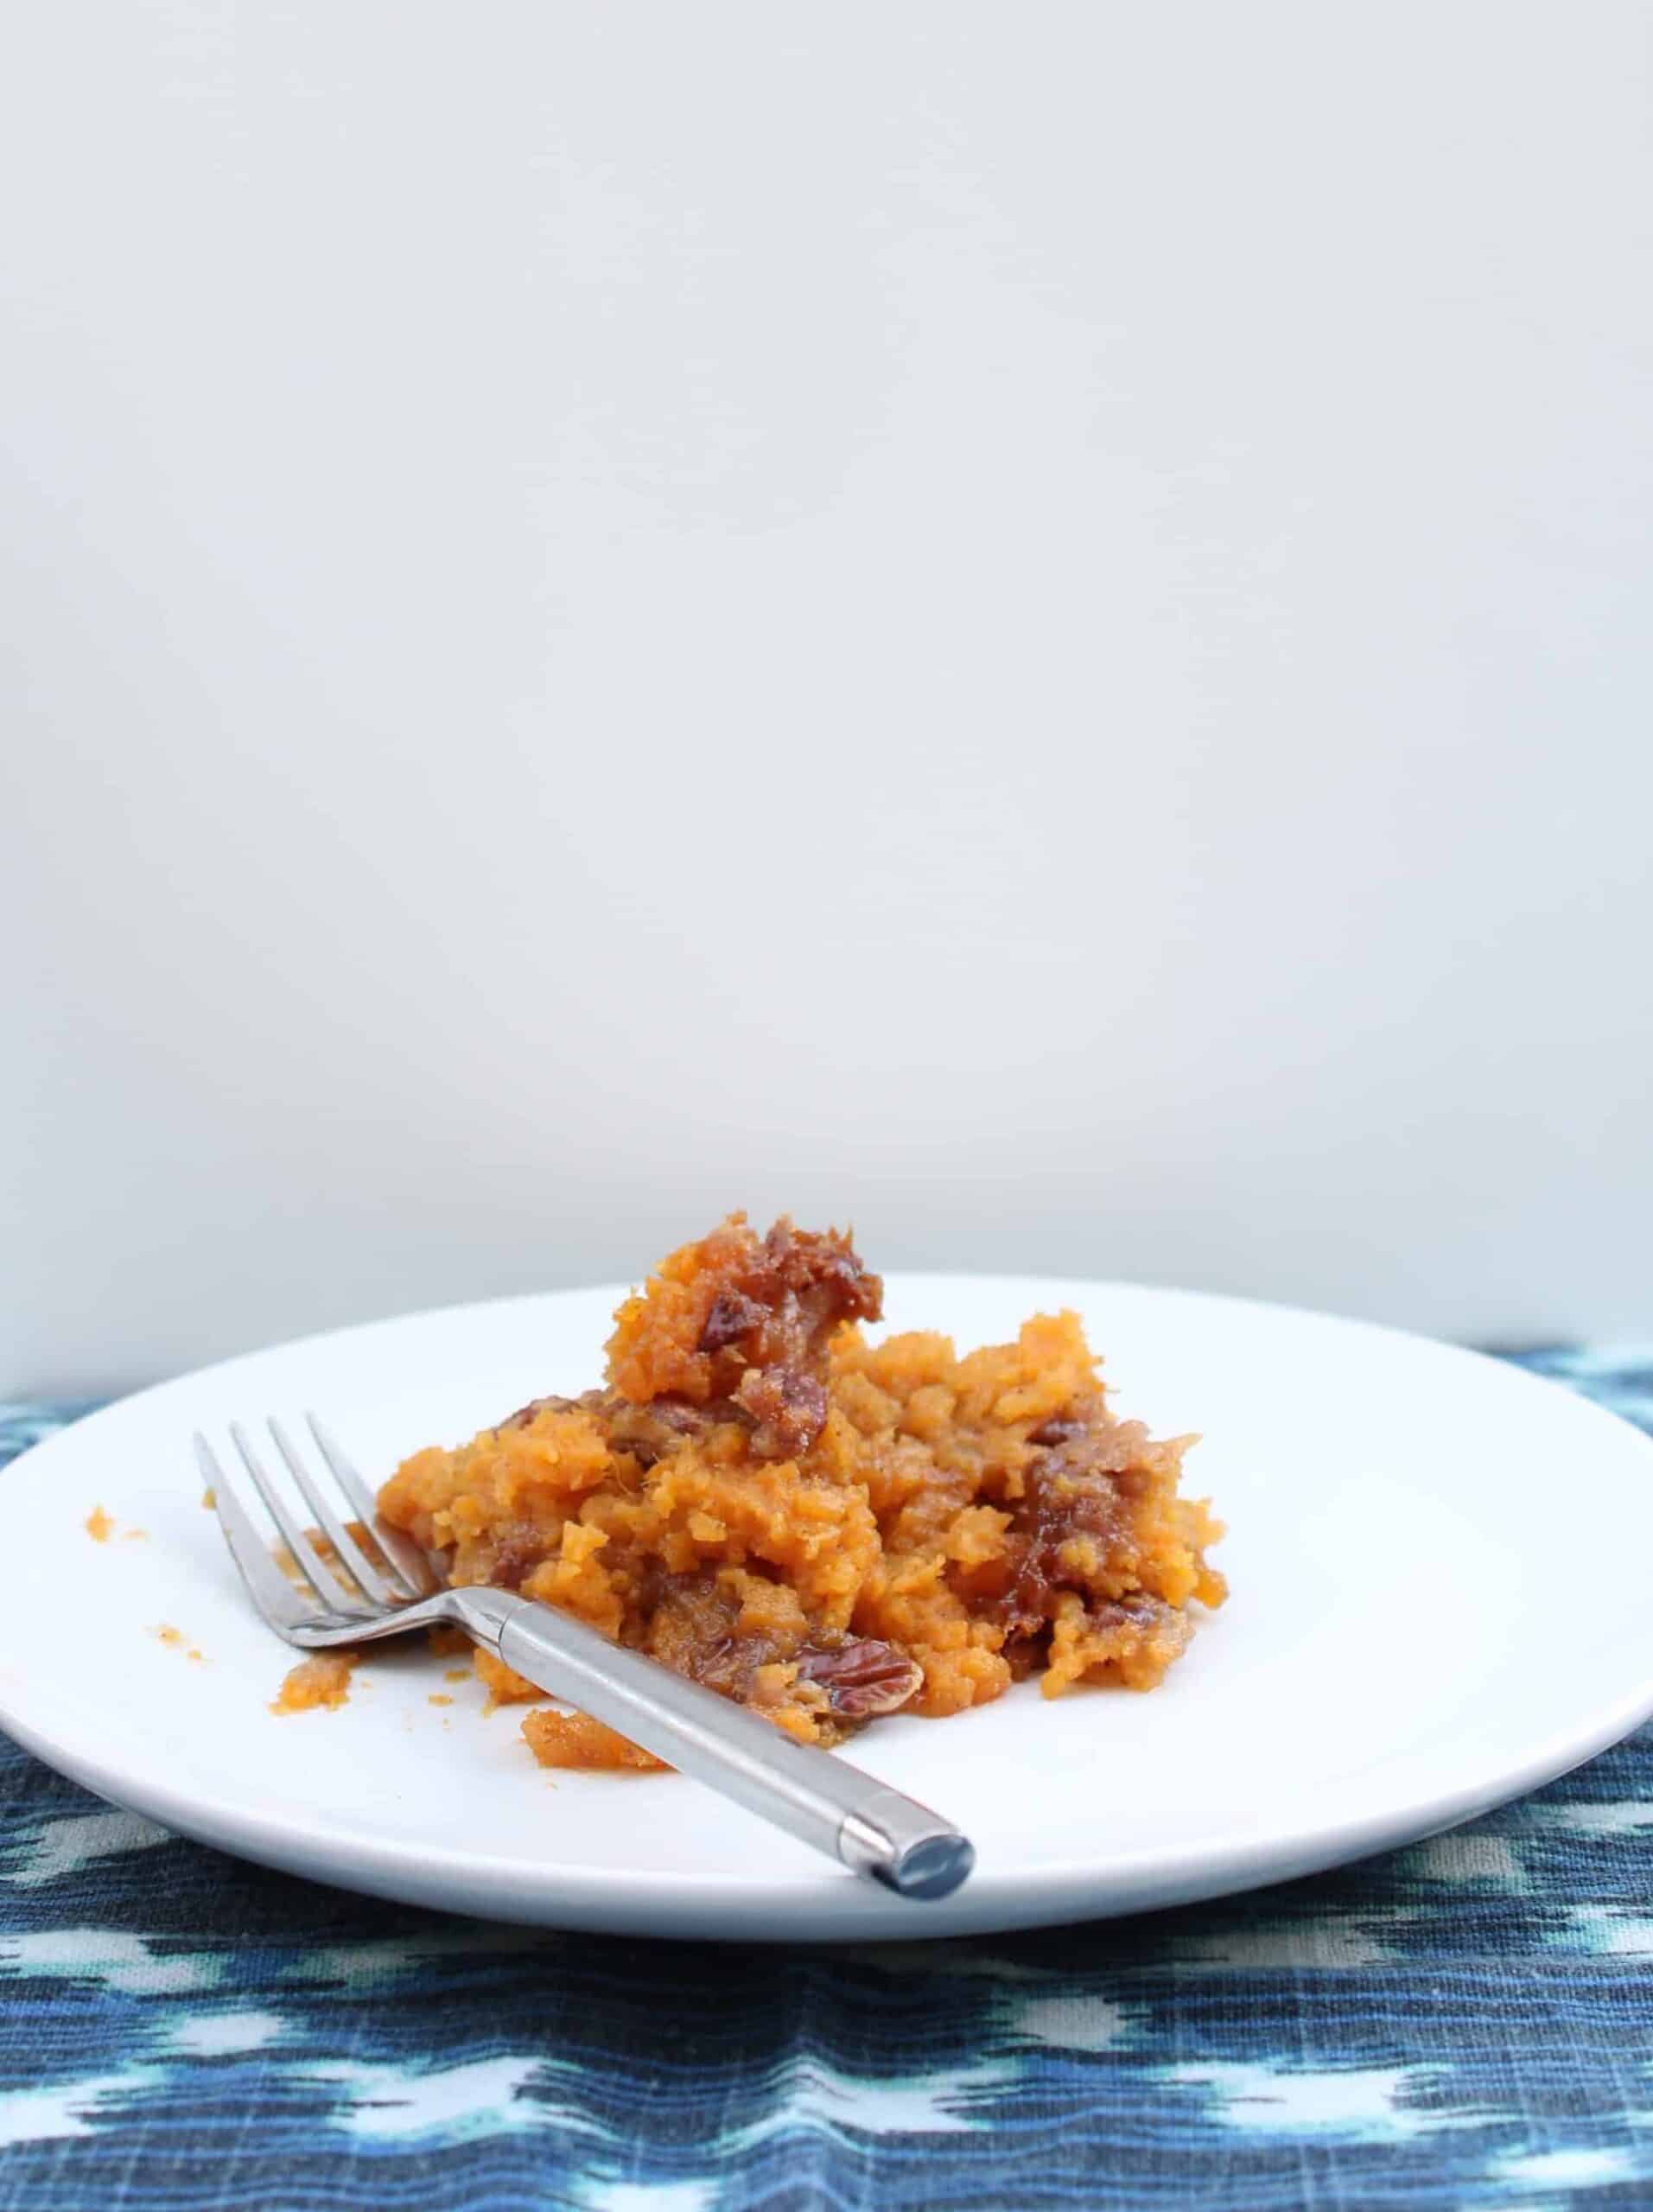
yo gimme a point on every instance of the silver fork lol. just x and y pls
(386, 1586)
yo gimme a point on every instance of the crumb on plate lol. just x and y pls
(574, 1739)
(322, 1680)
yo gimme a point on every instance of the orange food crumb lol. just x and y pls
(322, 1680)
(457, 1675)
(99, 1526)
(134, 1535)
(209, 1499)
(439, 1697)
(504, 1685)
(174, 1639)
(575, 1739)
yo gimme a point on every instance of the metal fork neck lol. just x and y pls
(483, 1612)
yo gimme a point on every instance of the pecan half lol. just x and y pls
(863, 1678)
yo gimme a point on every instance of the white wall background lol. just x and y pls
(1025, 624)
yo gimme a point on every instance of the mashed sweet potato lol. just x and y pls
(824, 1529)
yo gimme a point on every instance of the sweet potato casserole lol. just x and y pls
(824, 1529)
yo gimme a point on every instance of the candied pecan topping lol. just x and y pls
(784, 1410)
(789, 1410)
(695, 1628)
(1059, 1503)
(520, 1550)
(729, 1665)
(1060, 1428)
(786, 1297)
(732, 1315)
(649, 1431)
(524, 1414)
(736, 1301)
(863, 1678)
(1138, 1608)
(1084, 1420)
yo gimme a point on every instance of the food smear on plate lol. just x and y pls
(826, 1529)
(101, 1526)
(322, 1681)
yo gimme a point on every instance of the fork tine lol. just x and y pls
(333, 1598)
(402, 1554)
(379, 1590)
(267, 1588)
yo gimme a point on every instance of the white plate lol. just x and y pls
(1424, 1622)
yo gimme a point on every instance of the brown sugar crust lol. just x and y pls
(824, 1529)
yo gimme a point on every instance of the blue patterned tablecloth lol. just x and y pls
(1467, 2023)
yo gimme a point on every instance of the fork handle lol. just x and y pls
(813, 1795)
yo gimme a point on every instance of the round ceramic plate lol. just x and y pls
(1411, 1636)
